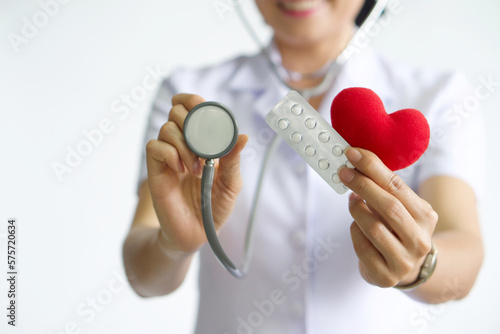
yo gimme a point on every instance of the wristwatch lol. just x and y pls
(425, 271)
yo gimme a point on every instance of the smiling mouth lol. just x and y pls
(301, 6)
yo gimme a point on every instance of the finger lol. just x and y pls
(399, 260)
(160, 156)
(379, 235)
(370, 258)
(374, 229)
(365, 274)
(370, 165)
(229, 165)
(177, 115)
(374, 213)
(170, 133)
(188, 100)
(397, 257)
(386, 205)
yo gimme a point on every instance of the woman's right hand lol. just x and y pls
(174, 173)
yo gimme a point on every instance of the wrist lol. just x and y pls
(169, 250)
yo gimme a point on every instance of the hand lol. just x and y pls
(174, 173)
(392, 227)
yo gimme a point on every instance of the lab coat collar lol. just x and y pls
(255, 75)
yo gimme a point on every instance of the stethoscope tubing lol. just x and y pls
(207, 217)
(207, 180)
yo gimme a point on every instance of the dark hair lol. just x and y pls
(363, 14)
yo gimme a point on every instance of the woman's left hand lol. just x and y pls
(392, 227)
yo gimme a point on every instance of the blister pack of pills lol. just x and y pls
(311, 136)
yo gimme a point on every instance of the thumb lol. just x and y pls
(229, 165)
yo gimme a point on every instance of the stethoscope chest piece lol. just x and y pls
(210, 130)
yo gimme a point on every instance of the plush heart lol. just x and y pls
(398, 139)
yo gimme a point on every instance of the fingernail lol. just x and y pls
(346, 174)
(353, 154)
(198, 170)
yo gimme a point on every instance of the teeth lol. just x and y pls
(301, 5)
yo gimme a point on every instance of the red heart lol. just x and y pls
(398, 139)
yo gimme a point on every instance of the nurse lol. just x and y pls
(320, 259)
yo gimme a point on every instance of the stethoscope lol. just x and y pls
(211, 131)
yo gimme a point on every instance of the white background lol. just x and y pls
(65, 79)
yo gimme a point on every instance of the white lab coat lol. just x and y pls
(304, 274)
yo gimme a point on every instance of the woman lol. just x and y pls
(314, 269)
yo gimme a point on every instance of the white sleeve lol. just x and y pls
(457, 145)
(158, 116)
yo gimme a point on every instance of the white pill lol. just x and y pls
(310, 151)
(283, 123)
(324, 137)
(337, 150)
(349, 164)
(297, 109)
(335, 178)
(323, 164)
(296, 137)
(310, 123)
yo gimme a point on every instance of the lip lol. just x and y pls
(300, 8)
